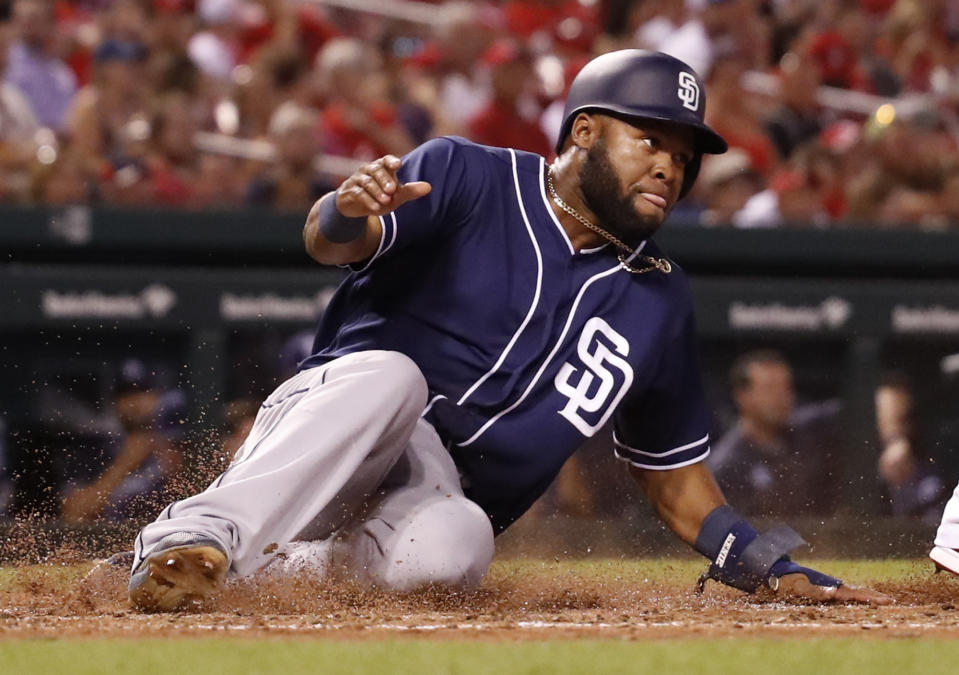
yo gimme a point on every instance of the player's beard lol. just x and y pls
(601, 193)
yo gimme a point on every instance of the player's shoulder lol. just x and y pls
(475, 152)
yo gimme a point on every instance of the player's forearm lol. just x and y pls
(682, 497)
(321, 249)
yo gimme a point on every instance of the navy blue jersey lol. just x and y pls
(528, 347)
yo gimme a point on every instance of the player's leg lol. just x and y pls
(946, 550)
(321, 444)
(421, 531)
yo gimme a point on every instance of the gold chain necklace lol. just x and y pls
(660, 264)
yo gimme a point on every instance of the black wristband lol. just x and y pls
(740, 556)
(336, 227)
(715, 529)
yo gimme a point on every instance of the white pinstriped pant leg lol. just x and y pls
(948, 533)
(321, 445)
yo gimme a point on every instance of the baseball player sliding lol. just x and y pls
(498, 312)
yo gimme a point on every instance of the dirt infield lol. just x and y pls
(519, 601)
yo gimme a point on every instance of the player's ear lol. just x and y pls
(586, 130)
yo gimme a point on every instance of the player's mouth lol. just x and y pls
(655, 199)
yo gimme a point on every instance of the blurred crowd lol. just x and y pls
(837, 111)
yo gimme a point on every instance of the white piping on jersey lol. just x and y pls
(393, 234)
(549, 209)
(660, 454)
(539, 284)
(379, 249)
(587, 251)
(429, 406)
(539, 373)
(655, 467)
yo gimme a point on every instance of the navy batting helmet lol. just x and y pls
(635, 84)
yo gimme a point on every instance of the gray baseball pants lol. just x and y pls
(340, 456)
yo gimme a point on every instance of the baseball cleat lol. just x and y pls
(946, 559)
(179, 576)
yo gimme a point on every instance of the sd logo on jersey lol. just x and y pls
(601, 350)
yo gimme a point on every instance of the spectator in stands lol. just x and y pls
(221, 181)
(726, 183)
(913, 484)
(34, 66)
(273, 78)
(897, 187)
(800, 192)
(737, 114)
(949, 198)
(358, 120)
(125, 21)
(655, 21)
(509, 119)
(798, 118)
(293, 180)
(143, 470)
(915, 34)
(448, 65)
(779, 459)
(711, 29)
(172, 24)
(154, 162)
(169, 66)
(18, 132)
(113, 106)
(172, 161)
(214, 48)
(286, 72)
(66, 179)
(843, 46)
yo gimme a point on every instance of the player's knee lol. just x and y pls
(449, 542)
(400, 374)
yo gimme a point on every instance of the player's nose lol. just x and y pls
(666, 169)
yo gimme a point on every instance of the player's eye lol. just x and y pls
(682, 159)
(651, 142)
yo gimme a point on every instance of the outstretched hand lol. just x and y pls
(798, 586)
(375, 189)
